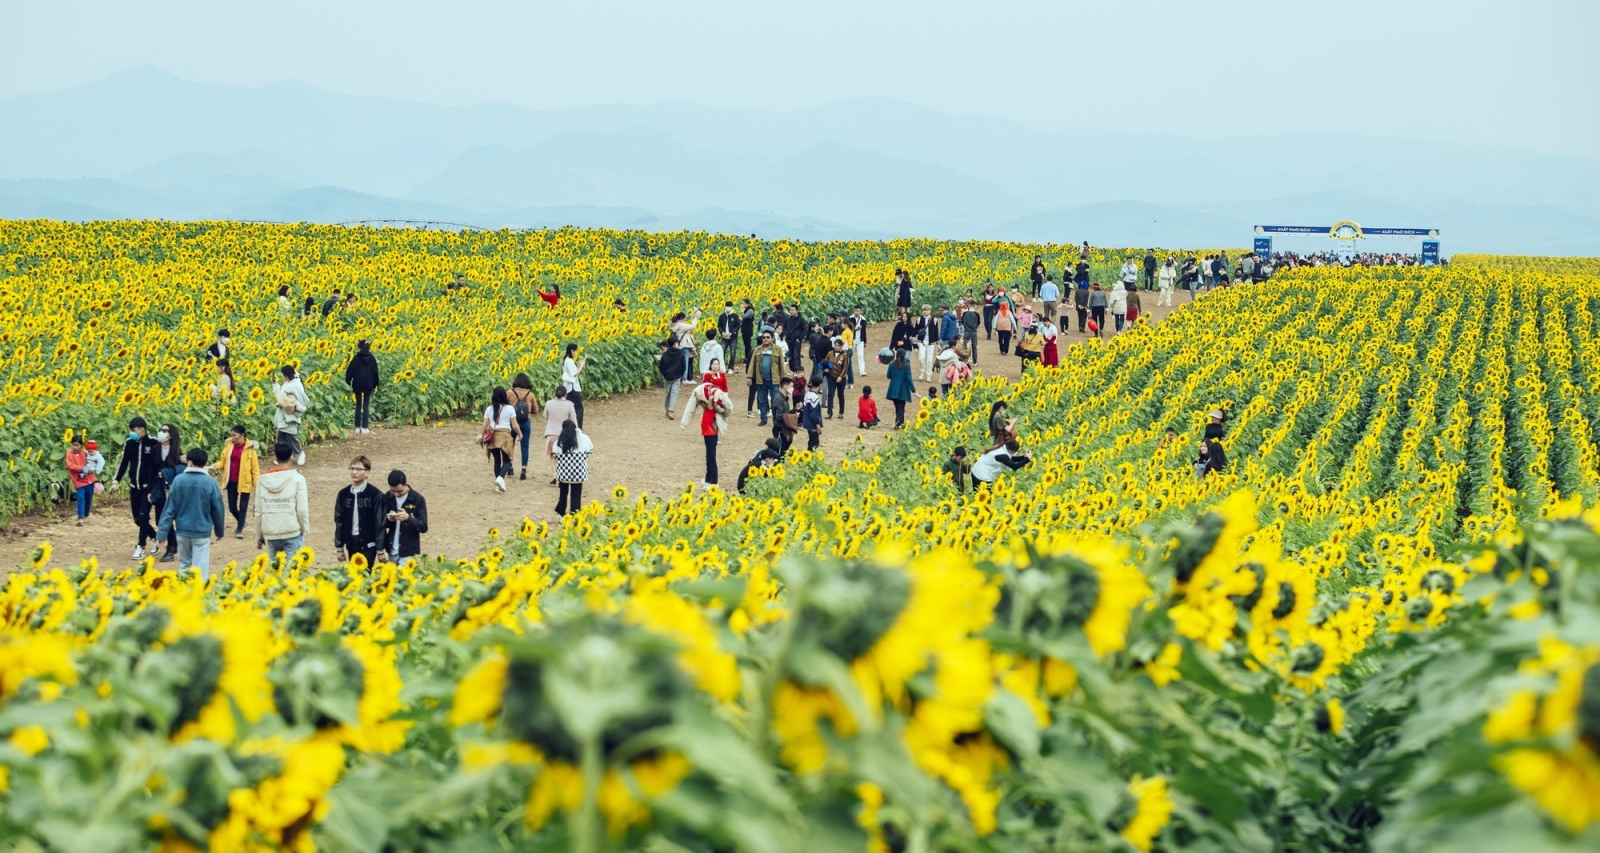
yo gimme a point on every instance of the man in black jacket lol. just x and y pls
(1036, 275)
(406, 519)
(728, 330)
(795, 329)
(141, 464)
(1150, 270)
(358, 515)
(220, 348)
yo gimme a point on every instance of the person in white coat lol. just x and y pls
(710, 351)
(1166, 280)
(1118, 302)
(1130, 274)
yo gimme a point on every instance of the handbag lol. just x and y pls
(790, 422)
(487, 438)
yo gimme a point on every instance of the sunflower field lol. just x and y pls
(1378, 630)
(103, 321)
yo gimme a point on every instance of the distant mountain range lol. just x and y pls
(147, 144)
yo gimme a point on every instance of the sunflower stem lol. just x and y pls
(587, 832)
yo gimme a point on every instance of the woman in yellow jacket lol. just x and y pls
(239, 466)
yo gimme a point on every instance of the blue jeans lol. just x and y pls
(764, 397)
(194, 552)
(527, 430)
(85, 500)
(288, 547)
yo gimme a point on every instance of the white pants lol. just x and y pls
(1166, 295)
(861, 359)
(925, 357)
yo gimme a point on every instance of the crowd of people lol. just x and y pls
(797, 372)
(1286, 260)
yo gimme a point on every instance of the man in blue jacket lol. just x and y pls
(194, 507)
(949, 327)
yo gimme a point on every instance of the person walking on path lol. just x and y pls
(1049, 355)
(833, 376)
(925, 331)
(240, 467)
(193, 513)
(1135, 307)
(858, 337)
(1130, 273)
(901, 386)
(1118, 302)
(283, 507)
(970, 319)
(767, 369)
(290, 402)
(1150, 269)
(903, 335)
(362, 375)
(682, 329)
(1051, 295)
(989, 308)
(405, 515)
(747, 329)
(1189, 275)
(795, 332)
(1097, 310)
(728, 333)
(1080, 303)
(1080, 273)
(556, 413)
(358, 515)
(811, 415)
(670, 365)
(173, 463)
(1031, 347)
(572, 451)
(141, 465)
(571, 367)
(500, 434)
(785, 420)
(1005, 325)
(81, 473)
(1167, 279)
(949, 327)
(524, 406)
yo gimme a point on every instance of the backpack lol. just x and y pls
(671, 365)
(521, 408)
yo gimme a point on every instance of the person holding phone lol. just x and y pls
(405, 519)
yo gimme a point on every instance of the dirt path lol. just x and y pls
(635, 447)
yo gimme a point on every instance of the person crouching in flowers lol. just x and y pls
(714, 405)
(572, 451)
(997, 460)
(500, 434)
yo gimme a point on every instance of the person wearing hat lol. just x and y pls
(141, 465)
(1214, 427)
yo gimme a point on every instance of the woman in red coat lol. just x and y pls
(552, 298)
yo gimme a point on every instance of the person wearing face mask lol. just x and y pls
(405, 519)
(358, 515)
(173, 463)
(141, 466)
(219, 349)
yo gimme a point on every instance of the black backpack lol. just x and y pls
(671, 365)
(521, 408)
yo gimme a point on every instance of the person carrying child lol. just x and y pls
(82, 466)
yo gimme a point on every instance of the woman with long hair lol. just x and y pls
(284, 305)
(572, 450)
(172, 464)
(222, 389)
(900, 386)
(525, 406)
(1001, 428)
(499, 434)
(551, 298)
(571, 366)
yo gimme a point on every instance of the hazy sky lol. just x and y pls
(1518, 72)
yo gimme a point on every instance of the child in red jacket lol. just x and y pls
(867, 409)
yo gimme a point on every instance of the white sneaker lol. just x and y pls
(138, 552)
(500, 483)
(301, 459)
(749, 414)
